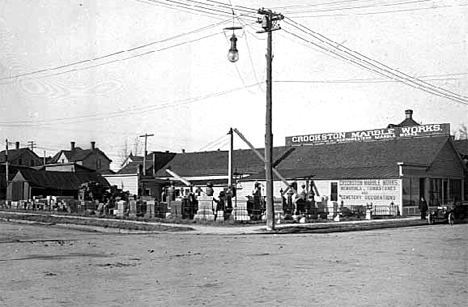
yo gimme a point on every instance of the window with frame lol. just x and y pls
(334, 191)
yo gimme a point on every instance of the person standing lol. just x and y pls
(423, 208)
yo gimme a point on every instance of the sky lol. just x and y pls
(110, 71)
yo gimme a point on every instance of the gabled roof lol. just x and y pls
(59, 180)
(366, 154)
(212, 163)
(162, 158)
(14, 153)
(77, 154)
(408, 122)
(374, 159)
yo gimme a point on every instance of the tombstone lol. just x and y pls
(121, 208)
(14, 205)
(150, 208)
(369, 211)
(133, 208)
(220, 216)
(176, 208)
(205, 208)
(239, 210)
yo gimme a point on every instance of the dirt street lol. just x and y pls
(415, 266)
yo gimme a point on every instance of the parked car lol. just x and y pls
(448, 214)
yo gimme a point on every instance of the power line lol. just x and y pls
(373, 62)
(119, 53)
(208, 145)
(110, 115)
(380, 12)
(356, 7)
(347, 54)
(374, 70)
(200, 7)
(373, 80)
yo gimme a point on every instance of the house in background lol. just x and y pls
(71, 167)
(137, 181)
(20, 157)
(92, 158)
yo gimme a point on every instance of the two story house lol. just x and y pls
(92, 158)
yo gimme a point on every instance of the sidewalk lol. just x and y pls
(93, 224)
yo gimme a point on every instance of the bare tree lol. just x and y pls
(124, 153)
(137, 147)
(462, 133)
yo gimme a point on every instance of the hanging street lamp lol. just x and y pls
(233, 53)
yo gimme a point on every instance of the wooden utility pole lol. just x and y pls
(144, 154)
(32, 145)
(6, 162)
(269, 24)
(231, 148)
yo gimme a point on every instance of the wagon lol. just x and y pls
(448, 214)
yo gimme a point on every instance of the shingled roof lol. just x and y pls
(376, 159)
(364, 159)
(59, 180)
(13, 153)
(162, 158)
(212, 163)
(77, 154)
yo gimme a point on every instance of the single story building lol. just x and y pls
(28, 183)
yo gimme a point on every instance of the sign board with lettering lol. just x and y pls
(379, 192)
(369, 135)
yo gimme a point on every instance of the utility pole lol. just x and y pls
(6, 162)
(144, 155)
(269, 24)
(231, 148)
(32, 145)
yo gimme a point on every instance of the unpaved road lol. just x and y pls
(416, 266)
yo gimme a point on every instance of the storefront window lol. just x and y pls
(435, 192)
(411, 191)
(455, 190)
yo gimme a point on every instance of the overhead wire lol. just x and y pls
(343, 52)
(354, 53)
(374, 70)
(120, 52)
(376, 5)
(212, 142)
(110, 115)
(316, 14)
(198, 6)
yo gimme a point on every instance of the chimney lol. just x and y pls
(93, 145)
(72, 145)
(17, 145)
(409, 114)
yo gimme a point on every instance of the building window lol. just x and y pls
(334, 191)
(20, 161)
(98, 164)
(411, 191)
(435, 192)
(32, 162)
(455, 190)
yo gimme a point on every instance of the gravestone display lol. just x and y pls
(205, 208)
